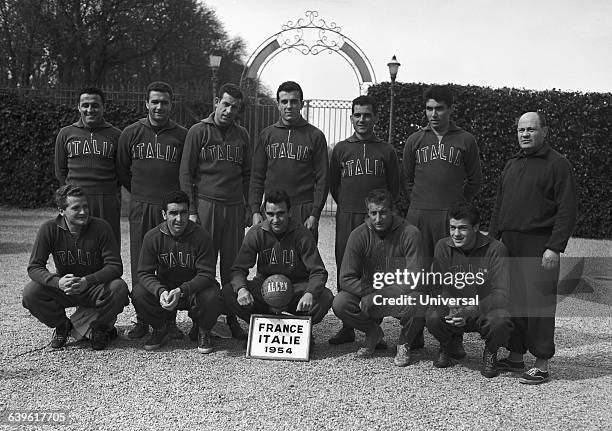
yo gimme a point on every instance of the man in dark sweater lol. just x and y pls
(279, 245)
(291, 154)
(478, 266)
(442, 168)
(358, 165)
(215, 173)
(176, 271)
(85, 154)
(534, 215)
(88, 270)
(148, 161)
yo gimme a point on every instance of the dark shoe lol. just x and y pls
(443, 360)
(157, 339)
(418, 342)
(237, 331)
(373, 337)
(344, 335)
(173, 331)
(113, 334)
(61, 334)
(139, 330)
(489, 369)
(193, 332)
(99, 337)
(534, 376)
(455, 347)
(205, 341)
(402, 357)
(382, 345)
(506, 364)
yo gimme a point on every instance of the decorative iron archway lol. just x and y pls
(310, 35)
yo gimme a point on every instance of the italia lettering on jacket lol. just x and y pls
(231, 153)
(273, 256)
(428, 153)
(287, 150)
(176, 259)
(82, 257)
(367, 166)
(85, 148)
(158, 150)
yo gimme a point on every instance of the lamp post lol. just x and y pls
(214, 61)
(393, 67)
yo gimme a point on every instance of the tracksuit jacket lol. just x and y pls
(489, 257)
(148, 161)
(214, 167)
(441, 174)
(94, 254)
(537, 191)
(293, 158)
(359, 166)
(86, 157)
(294, 255)
(167, 262)
(367, 252)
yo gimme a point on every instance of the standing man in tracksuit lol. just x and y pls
(442, 169)
(85, 154)
(215, 173)
(358, 165)
(292, 155)
(148, 163)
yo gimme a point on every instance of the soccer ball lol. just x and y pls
(277, 292)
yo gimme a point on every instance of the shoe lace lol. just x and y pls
(534, 371)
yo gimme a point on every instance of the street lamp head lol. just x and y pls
(214, 61)
(393, 67)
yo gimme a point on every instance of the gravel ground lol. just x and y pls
(127, 388)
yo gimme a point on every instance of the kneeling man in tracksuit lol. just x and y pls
(478, 306)
(176, 270)
(279, 245)
(385, 245)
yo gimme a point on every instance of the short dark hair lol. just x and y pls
(465, 211)
(365, 101)
(93, 90)
(232, 90)
(290, 86)
(61, 194)
(162, 87)
(175, 197)
(276, 196)
(379, 197)
(439, 93)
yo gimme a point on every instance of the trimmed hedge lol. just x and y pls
(580, 127)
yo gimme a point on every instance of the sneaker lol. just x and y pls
(344, 335)
(506, 364)
(402, 357)
(418, 342)
(455, 347)
(99, 337)
(139, 330)
(534, 376)
(443, 360)
(235, 328)
(205, 341)
(61, 334)
(489, 369)
(173, 331)
(193, 332)
(373, 337)
(157, 338)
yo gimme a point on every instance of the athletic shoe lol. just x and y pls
(402, 357)
(455, 347)
(61, 334)
(235, 328)
(173, 331)
(157, 338)
(205, 342)
(193, 332)
(113, 334)
(534, 376)
(506, 364)
(443, 360)
(373, 337)
(418, 342)
(139, 330)
(344, 335)
(99, 337)
(489, 369)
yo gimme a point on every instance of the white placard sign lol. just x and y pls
(279, 337)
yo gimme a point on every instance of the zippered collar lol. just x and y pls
(293, 225)
(211, 120)
(481, 241)
(527, 154)
(145, 122)
(395, 224)
(452, 127)
(300, 123)
(354, 139)
(191, 226)
(104, 125)
(60, 221)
